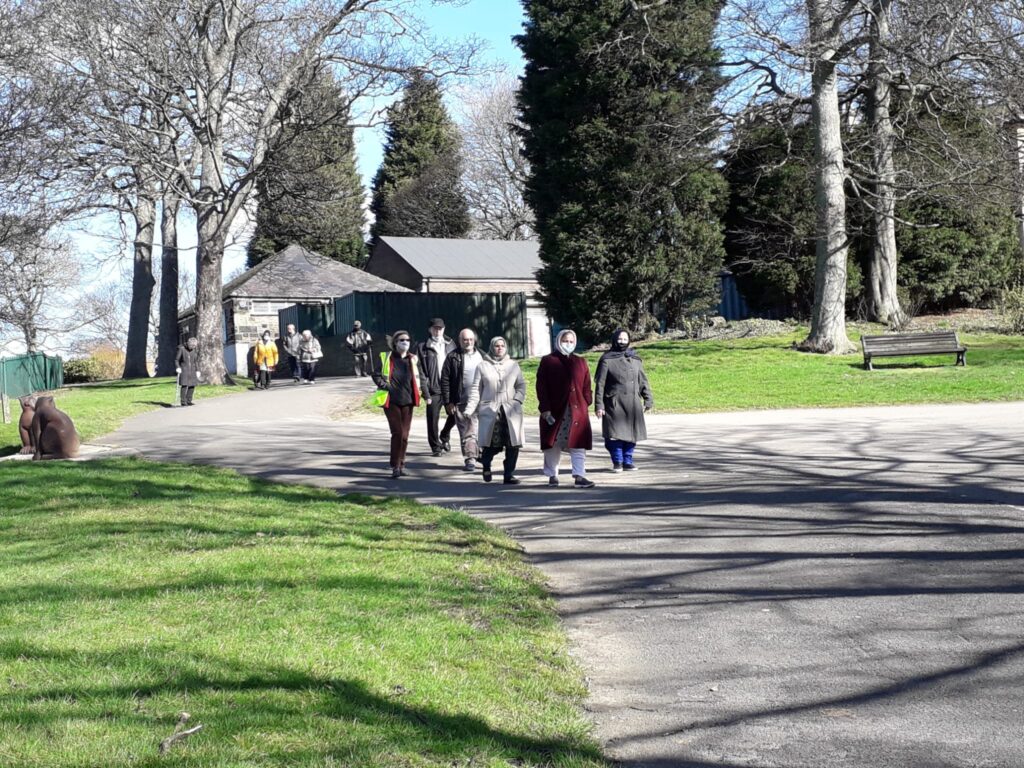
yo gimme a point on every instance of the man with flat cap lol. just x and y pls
(432, 354)
(358, 343)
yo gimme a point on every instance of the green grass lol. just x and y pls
(696, 376)
(101, 408)
(299, 628)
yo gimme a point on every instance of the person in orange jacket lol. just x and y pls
(265, 359)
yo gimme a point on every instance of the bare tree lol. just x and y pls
(495, 170)
(37, 271)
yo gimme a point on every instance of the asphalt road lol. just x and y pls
(789, 588)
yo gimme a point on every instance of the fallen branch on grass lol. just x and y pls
(179, 735)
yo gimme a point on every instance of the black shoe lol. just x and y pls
(512, 480)
(616, 467)
(446, 446)
(582, 482)
(487, 475)
(552, 481)
(189, 403)
(436, 452)
(396, 472)
(629, 467)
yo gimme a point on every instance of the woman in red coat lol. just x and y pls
(564, 395)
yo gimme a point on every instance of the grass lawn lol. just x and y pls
(300, 629)
(100, 408)
(695, 376)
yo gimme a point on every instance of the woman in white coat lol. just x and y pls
(498, 393)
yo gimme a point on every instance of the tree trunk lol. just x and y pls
(1018, 128)
(209, 307)
(167, 341)
(885, 303)
(828, 318)
(144, 213)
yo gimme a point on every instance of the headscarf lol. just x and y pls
(561, 335)
(617, 351)
(490, 350)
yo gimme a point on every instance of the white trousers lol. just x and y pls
(553, 457)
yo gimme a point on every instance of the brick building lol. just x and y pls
(291, 276)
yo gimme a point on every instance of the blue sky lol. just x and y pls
(492, 21)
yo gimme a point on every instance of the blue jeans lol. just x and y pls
(621, 451)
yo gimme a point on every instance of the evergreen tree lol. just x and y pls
(310, 192)
(621, 183)
(417, 191)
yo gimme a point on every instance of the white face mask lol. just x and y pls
(567, 348)
(402, 346)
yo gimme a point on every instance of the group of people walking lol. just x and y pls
(482, 396)
(302, 350)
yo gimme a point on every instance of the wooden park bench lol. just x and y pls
(905, 344)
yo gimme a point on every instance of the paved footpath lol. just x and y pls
(789, 588)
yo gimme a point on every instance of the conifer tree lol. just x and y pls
(417, 191)
(310, 192)
(627, 202)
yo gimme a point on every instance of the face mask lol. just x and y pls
(567, 348)
(437, 333)
(266, 339)
(402, 346)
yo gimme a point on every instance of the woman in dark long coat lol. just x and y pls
(186, 365)
(564, 395)
(622, 396)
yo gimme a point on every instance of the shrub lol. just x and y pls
(81, 371)
(1013, 307)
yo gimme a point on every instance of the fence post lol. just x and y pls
(5, 404)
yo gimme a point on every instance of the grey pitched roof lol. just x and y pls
(295, 273)
(444, 257)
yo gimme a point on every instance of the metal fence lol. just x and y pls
(489, 314)
(25, 374)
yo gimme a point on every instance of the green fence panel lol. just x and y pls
(25, 374)
(489, 314)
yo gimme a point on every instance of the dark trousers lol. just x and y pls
(361, 360)
(293, 362)
(186, 395)
(263, 379)
(309, 370)
(400, 422)
(488, 453)
(433, 419)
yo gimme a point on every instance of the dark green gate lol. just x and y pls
(488, 314)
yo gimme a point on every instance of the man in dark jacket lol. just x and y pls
(456, 378)
(290, 345)
(432, 354)
(358, 343)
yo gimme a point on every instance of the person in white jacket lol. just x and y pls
(497, 397)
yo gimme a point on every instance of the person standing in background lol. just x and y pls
(358, 343)
(186, 366)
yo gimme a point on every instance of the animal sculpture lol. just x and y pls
(53, 432)
(28, 410)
